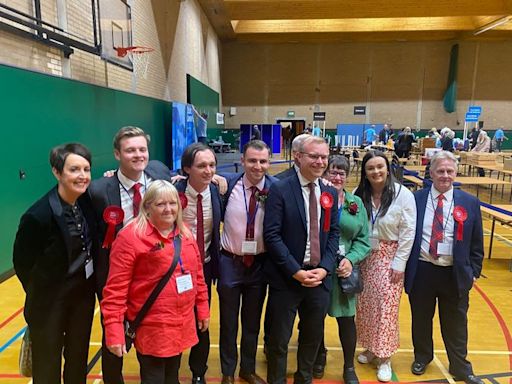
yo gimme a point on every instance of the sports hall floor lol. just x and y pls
(490, 327)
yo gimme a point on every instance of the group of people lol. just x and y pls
(296, 235)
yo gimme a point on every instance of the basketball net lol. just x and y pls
(139, 57)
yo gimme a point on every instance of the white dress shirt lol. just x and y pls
(305, 194)
(398, 224)
(448, 225)
(126, 193)
(190, 216)
(235, 218)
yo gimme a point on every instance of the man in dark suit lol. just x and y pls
(123, 190)
(445, 260)
(301, 234)
(296, 143)
(241, 263)
(202, 215)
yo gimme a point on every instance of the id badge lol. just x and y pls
(374, 243)
(89, 268)
(184, 283)
(249, 247)
(341, 249)
(444, 248)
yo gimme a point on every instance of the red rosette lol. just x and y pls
(460, 215)
(326, 201)
(183, 200)
(112, 215)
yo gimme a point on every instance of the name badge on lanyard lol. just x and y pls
(249, 247)
(184, 283)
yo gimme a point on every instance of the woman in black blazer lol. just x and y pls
(52, 260)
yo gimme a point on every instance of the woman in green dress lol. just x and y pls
(354, 246)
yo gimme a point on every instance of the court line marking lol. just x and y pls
(10, 318)
(443, 370)
(13, 339)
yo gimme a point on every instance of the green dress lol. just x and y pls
(354, 236)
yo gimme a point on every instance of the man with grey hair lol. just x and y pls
(446, 259)
(296, 144)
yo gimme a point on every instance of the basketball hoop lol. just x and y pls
(139, 56)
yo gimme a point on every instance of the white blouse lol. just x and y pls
(398, 224)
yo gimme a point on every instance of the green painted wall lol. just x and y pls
(40, 111)
(205, 99)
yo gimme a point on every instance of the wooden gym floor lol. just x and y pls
(490, 325)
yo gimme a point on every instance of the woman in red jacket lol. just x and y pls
(141, 254)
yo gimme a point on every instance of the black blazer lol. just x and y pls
(285, 233)
(214, 249)
(286, 173)
(42, 251)
(105, 192)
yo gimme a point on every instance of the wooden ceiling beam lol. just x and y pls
(218, 16)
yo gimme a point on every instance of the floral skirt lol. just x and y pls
(378, 304)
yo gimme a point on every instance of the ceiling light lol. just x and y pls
(493, 24)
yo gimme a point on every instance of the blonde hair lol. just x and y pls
(159, 189)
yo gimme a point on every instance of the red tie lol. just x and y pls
(249, 229)
(437, 228)
(200, 226)
(137, 198)
(314, 240)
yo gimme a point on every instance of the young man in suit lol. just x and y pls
(445, 261)
(241, 263)
(301, 235)
(124, 190)
(202, 215)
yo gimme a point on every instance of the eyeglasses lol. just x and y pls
(315, 157)
(341, 174)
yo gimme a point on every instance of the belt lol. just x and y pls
(233, 256)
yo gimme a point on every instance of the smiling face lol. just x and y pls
(337, 177)
(133, 156)
(162, 212)
(443, 174)
(376, 171)
(202, 170)
(256, 163)
(74, 178)
(313, 160)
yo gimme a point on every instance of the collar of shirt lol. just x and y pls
(151, 229)
(248, 185)
(448, 195)
(129, 183)
(304, 182)
(190, 189)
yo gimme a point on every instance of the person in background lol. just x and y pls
(474, 136)
(52, 259)
(433, 134)
(385, 134)
(316, 131)
(499, 136)
(141, 255)
(391, 212)
(353, 247)
(446, 260)
(369, 135)
(447, 136)
(256, 133)
(483, 144)
(118, 198)
(296, 143)
(404, 143)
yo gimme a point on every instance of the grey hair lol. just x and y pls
(443, 155)
(299, 139)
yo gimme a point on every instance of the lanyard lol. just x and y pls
(443, 225)
(126, 190)
(181, 265)
(249, 218)
(374, 218)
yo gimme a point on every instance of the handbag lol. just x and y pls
(353, 283)
(25, 361)
(131, 326)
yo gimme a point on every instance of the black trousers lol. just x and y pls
(159, 370)
(237, 285)
(65, 331)
(348, 338)
(433, 283)
(198, 358)
(311, 304)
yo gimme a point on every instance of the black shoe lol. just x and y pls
(319, 366)
(198, 380)
(469, 379)
(418, 368)
(349, 376)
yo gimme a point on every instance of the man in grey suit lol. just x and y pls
(120, 195)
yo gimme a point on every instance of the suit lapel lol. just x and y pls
(114, 196)
(297, 193)
(57, 212)
(422, 205)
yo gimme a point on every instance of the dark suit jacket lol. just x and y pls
(467, 254)
(286, 173)
(233, 178)
(285, 233)
(214, 249)
(105, 192)
(42, 251)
